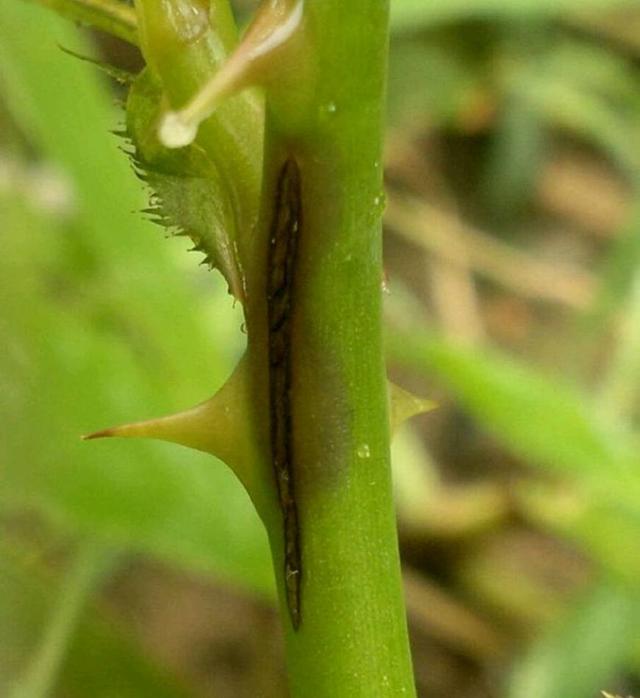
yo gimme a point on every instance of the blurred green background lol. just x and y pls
(512, 247)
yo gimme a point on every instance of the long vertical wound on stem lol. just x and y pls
(285, 231)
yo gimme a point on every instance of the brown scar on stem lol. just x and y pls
(283, 246)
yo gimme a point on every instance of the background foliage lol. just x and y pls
(513, 264)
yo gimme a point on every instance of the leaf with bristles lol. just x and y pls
(189, 195)
(124, 77)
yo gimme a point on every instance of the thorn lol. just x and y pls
(102, 434)
(124, 77)
(403, 405)
(218, 426)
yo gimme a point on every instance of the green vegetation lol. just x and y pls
(512, 202)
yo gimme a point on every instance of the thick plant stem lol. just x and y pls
(352, 637)
(309, 252)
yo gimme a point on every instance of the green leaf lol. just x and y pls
(189, 194)
(542, 420)
(587, 92)
(606, 531)
(211, 189)
(112, 16)
(115, 330)
(99, 661)
(584, 651)
(409, 14)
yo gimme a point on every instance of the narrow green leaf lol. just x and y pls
(543, 421)
(99, 660)
(189, 195)
(210, 189)
(409, 14)
(41, 675)
(584, 651)
(112, 16)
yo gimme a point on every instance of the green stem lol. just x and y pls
(318, 415)
(41, 675)
(352, 639)
(111, 16)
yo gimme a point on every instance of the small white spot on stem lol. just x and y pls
(364, 451)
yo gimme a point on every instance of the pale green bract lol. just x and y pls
(188, 195)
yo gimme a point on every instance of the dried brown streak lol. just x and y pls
(285, 231)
